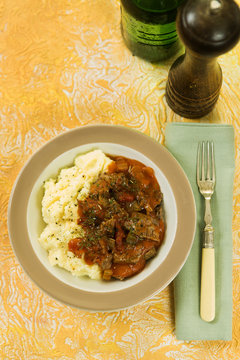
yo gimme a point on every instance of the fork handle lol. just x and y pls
(207, 302)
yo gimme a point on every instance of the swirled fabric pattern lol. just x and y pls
(63, 64)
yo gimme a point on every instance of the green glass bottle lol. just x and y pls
(149, 28)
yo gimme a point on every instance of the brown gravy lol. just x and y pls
(123, 219)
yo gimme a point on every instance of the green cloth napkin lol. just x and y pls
(182, 141)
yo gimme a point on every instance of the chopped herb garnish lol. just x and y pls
(119, 219)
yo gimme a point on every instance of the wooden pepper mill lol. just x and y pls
(208, 28)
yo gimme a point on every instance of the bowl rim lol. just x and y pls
(120, 299)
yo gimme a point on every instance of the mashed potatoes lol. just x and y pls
(60, 211)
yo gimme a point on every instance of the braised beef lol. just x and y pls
(123, 220)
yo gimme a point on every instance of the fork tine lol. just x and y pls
(213, 162)
(198, 162)
(203, 161)
(208, 162)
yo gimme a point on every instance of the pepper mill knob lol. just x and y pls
(208, 28)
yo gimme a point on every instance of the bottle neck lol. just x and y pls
(157, 5)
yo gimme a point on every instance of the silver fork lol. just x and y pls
(206, 183)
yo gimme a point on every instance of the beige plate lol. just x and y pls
(160, 277)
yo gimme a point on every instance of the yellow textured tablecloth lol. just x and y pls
(63, 64)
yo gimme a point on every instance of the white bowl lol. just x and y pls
(36, 225)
